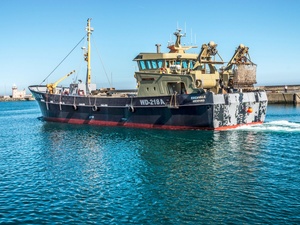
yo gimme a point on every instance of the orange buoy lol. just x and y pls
(249, 110)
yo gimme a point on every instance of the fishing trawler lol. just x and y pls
(175, 90)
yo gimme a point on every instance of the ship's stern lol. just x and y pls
(237, 109)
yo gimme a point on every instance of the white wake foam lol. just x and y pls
(278, 125)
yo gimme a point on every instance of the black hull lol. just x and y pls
(200, 111)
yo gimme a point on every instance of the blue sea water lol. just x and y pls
(54, 173)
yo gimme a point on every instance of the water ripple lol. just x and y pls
(60, 173)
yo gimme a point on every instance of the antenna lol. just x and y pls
(111, 78)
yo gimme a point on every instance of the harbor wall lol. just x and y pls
(282, 94)
(11, 99)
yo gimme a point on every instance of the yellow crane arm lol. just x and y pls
(241, 56)
(52, 86)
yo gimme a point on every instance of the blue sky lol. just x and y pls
(37, 34)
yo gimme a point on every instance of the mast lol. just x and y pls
(89, 30)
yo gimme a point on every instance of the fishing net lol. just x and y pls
(244, 75)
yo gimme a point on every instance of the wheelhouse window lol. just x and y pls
(184, 64)
(154, 64)
(142, 65)
(192, 63)
(160, 63)
(157, 64)
(150, 64)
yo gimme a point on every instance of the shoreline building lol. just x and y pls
(18, 94)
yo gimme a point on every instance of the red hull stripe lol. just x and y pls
(142, 125)
(238, 125)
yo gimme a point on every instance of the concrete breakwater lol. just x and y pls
(282, 94)
(16, 99)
